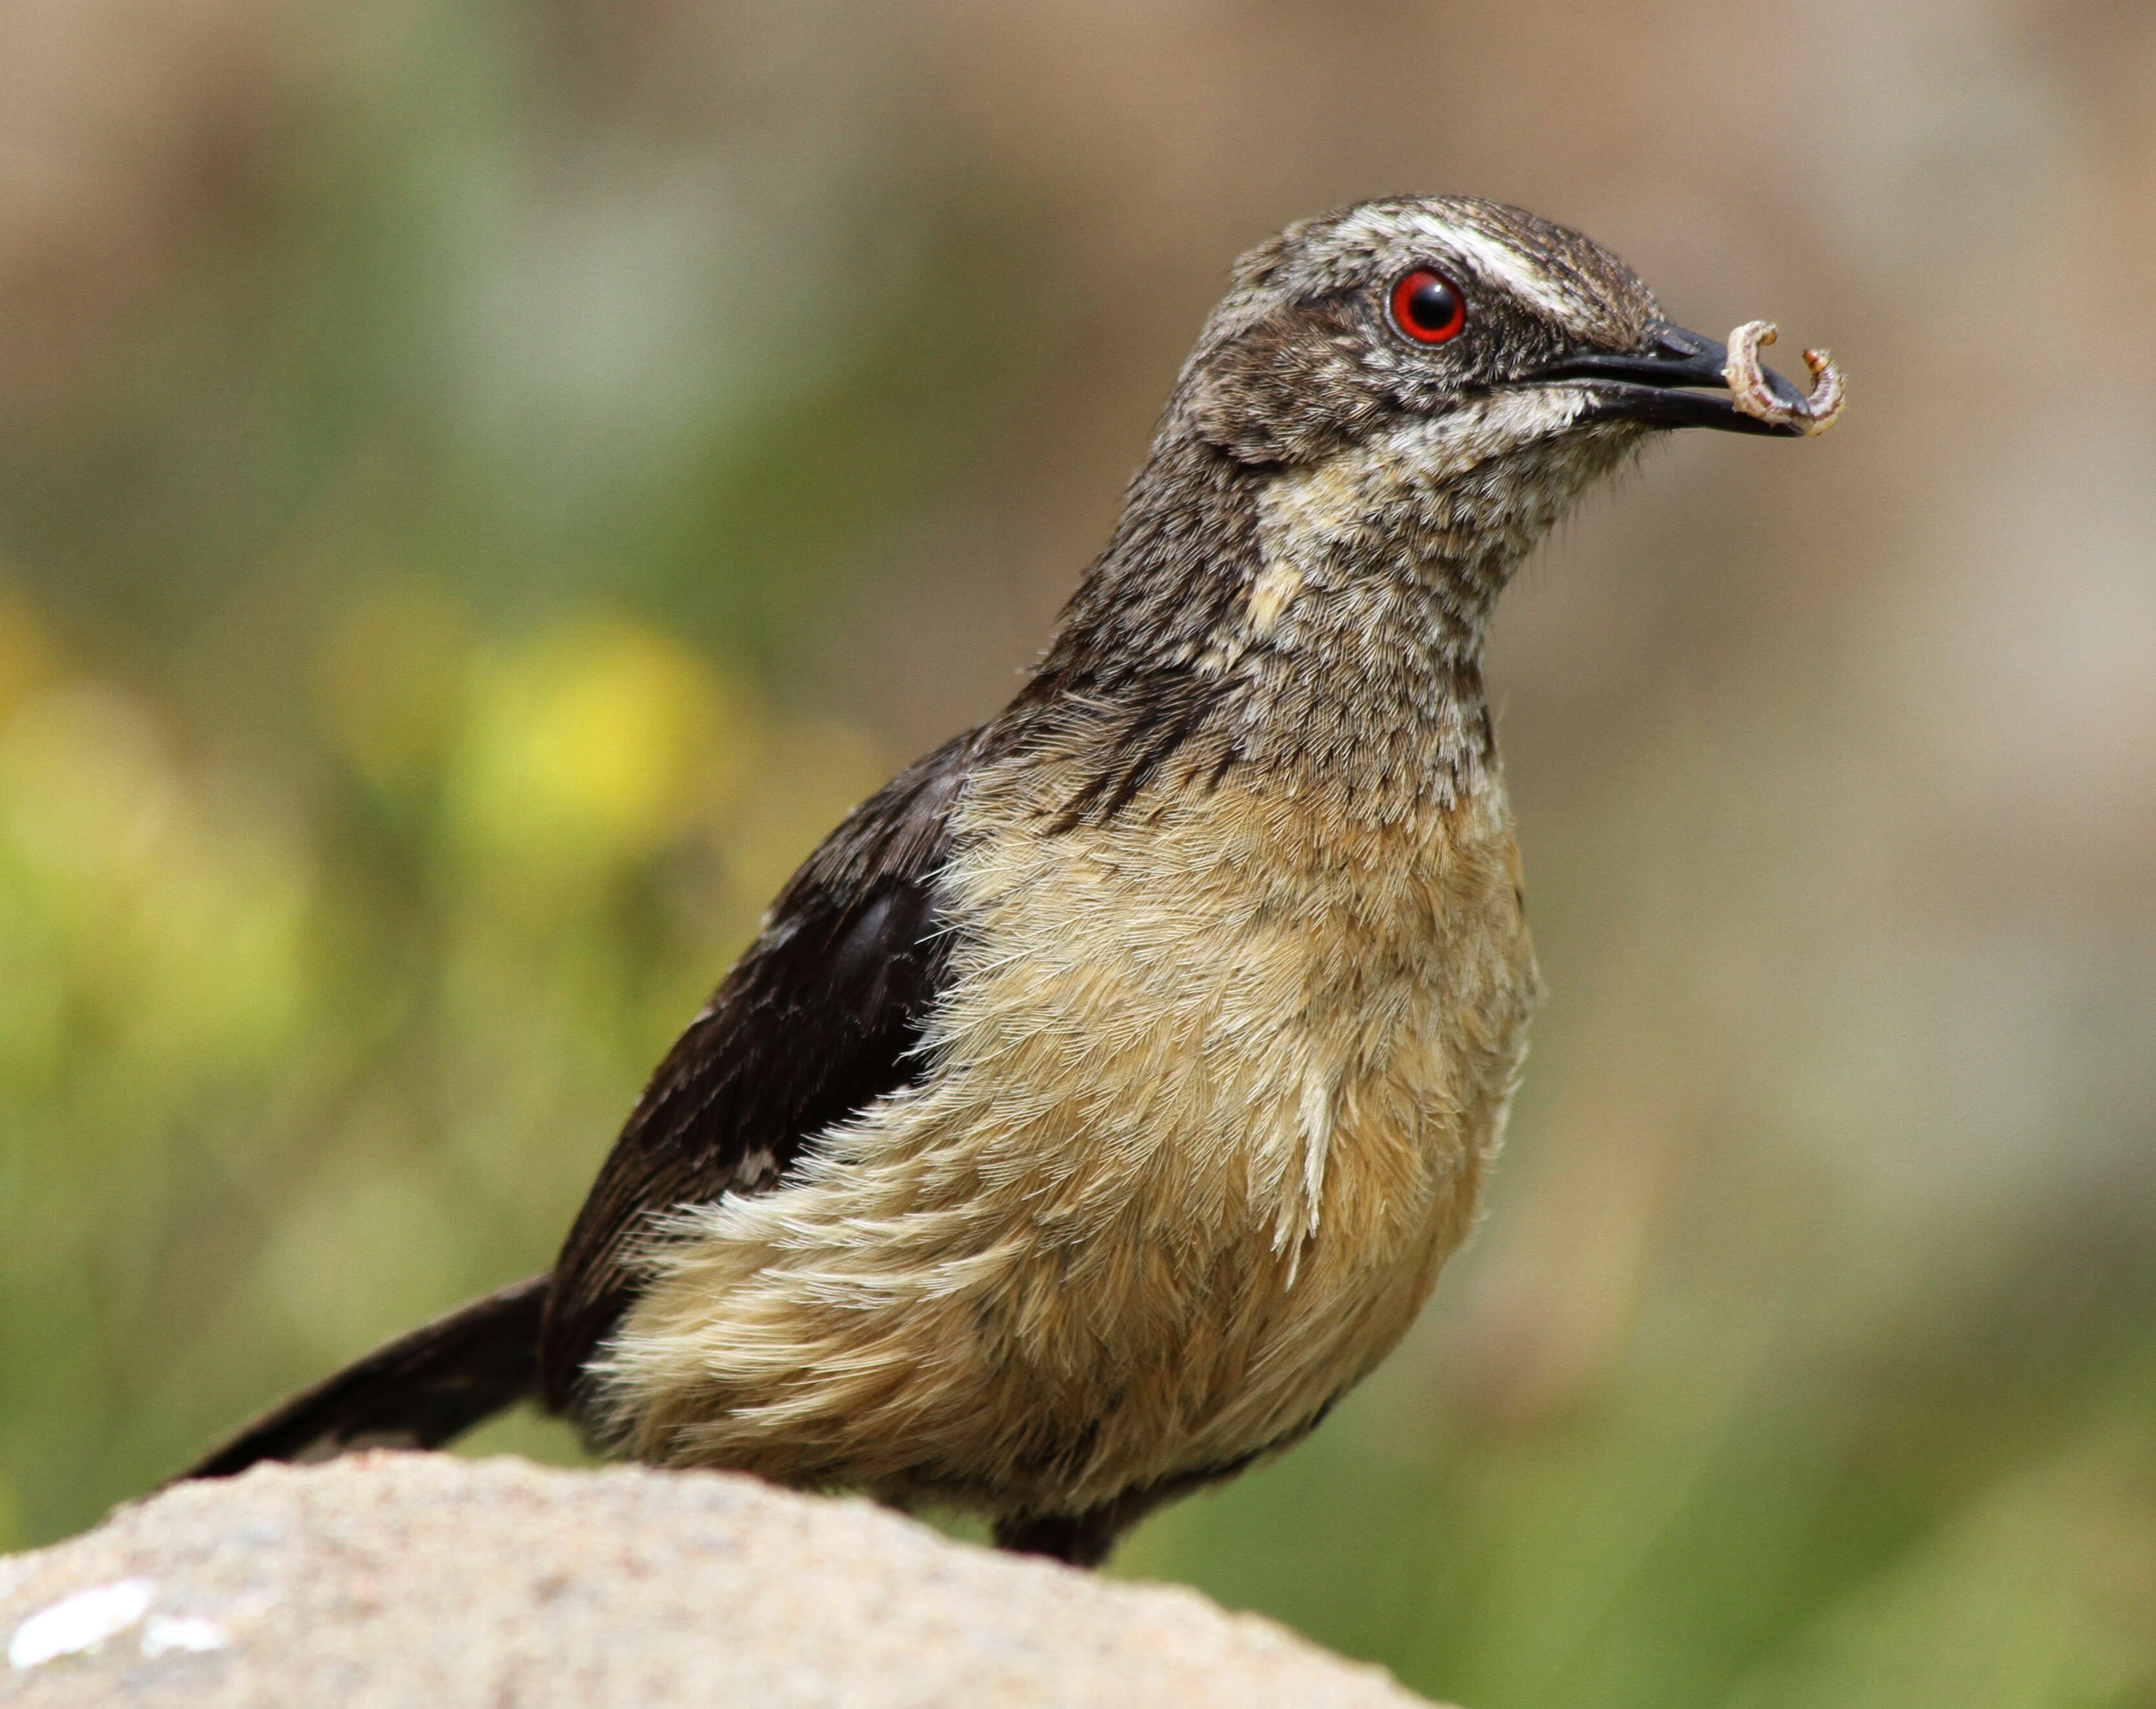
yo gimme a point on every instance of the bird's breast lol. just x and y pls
(1210, 1099)
(1253, 1014)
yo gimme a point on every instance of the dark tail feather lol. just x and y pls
(418, 1391)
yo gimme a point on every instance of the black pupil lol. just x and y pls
(1431, 305)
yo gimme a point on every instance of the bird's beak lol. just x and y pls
(1651, 385)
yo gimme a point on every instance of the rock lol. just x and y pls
(421, 1581)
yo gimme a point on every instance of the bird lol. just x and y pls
(1101, 1099)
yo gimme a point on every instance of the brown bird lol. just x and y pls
(1099, 1102)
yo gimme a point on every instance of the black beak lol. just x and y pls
(1651, 385)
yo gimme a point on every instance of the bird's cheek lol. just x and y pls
(1266, 420)
(1281, 395)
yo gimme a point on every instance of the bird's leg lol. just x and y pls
(1749, 392)
(1076, 1539)
(1087, 1539)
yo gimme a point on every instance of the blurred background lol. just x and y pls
(484, 487)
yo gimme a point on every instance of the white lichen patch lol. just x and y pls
(193, 1634)
(80, 1622)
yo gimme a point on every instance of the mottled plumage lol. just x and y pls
(1100, 1101)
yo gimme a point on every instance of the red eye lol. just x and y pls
(1428, 307)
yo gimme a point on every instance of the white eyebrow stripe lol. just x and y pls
(1509, 267)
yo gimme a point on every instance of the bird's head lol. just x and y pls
(1390, 406)
(1449, 330)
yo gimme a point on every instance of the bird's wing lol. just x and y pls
(817, 1019)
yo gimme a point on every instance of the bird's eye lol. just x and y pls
(1429, 307)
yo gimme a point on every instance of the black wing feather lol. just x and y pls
(817, 1020)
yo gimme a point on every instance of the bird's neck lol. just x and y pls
(1309, 629)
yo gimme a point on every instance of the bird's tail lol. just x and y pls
(418, 1391)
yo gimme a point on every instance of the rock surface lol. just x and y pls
(396, 1581)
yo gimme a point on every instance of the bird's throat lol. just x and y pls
(1316, 627)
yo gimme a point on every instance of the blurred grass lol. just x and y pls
(416, 670)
